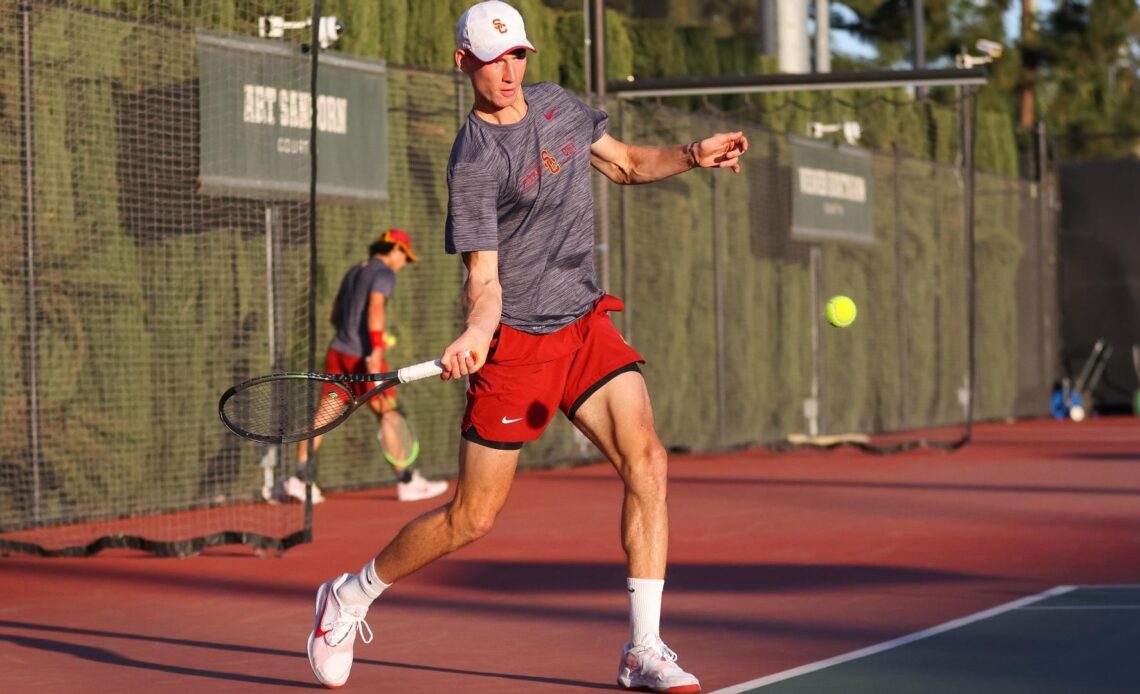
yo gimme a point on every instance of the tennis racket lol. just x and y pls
(290, 407)
(398, 439)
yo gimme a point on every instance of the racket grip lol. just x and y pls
(417, 371)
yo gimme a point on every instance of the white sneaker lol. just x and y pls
(295, 488)
(419, 488)
(651, 666)
(334, 632)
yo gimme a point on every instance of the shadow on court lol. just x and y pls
(108, 656)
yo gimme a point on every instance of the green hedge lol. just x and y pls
(142, 326)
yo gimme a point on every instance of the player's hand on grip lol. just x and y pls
(722, 150)
(466, 355)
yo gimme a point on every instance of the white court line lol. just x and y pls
(1044, 608)
(1111, 586)
(894, 643)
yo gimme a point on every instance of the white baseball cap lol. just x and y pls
(491, 29)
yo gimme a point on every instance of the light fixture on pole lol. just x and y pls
(274, 27)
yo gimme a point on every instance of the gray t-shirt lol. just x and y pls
(524, 190)
(351, 307)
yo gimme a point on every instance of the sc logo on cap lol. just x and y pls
(499, 26)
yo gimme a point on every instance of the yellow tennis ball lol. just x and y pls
(840, 311)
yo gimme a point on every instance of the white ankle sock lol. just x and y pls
(362, 588)
(644, 606)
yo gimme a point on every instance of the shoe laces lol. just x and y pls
(665, 657)
(345, 623)
(654, 645)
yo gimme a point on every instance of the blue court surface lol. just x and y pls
(1069, 639)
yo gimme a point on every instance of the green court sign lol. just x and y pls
(831, 192)
(255, 116)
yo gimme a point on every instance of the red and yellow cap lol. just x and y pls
(401, 239)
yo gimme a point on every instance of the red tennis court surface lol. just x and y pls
(776, 561)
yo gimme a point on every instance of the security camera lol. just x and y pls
(851, 130)
(818, 130)
(991, 48)
(271, 27)
(329, 31)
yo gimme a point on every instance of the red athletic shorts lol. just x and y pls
(341, 363)
(512, 399)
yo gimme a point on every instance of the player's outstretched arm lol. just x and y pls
(629, 164)
(483, 308)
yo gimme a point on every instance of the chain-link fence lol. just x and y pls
(131, 298)
(133, 295)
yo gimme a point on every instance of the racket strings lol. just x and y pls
(287, 409)
(401, 447)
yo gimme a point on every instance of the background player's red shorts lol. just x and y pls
(341, 363)
(513, 398)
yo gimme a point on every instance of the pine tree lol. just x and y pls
(1089, 89)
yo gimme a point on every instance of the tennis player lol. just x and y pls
(538, 336)
(358, 347)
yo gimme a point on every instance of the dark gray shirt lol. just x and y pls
(524, 190)
(351, 307)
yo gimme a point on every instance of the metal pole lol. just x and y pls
(919, 43)
(587, 48)
(813, 407)
(718, 308)
(967, 107)
(822, 36)
(318, 11)
(603, 223)
(30, 305)
(1045, 263)
(602, 191)
(900, 287)
(626, 242)
(1028, 74)
(270, 295)
(599, 49)
(760, 84)
(271, 453)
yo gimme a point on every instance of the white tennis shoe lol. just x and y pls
(419, 488)
(650, 665)
(334, 632)
(294, 488)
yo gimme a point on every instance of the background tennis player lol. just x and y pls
(358, 347)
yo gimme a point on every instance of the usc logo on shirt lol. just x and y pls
(550, 162)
